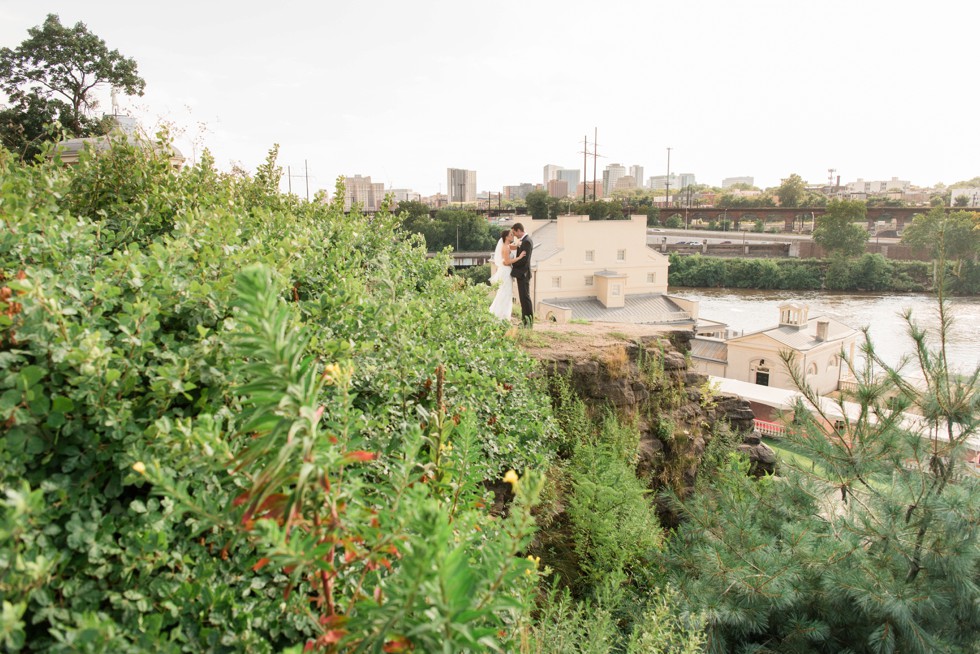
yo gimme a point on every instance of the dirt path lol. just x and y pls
(565, 339)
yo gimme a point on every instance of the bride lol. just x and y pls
(502, 259)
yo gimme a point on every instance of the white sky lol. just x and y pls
(401, 90)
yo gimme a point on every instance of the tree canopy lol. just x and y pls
(791, 191)
(52, 75)
(464, 231)
(954, 235)
(836, 231)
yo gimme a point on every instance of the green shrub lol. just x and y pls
(124, 341)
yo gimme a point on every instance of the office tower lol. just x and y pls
(461, 185)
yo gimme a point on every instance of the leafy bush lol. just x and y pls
(132, 355)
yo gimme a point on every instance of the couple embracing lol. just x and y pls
(512, 256)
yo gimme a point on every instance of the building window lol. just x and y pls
(589, 256)
(811, 369)
(616, 290)
(651, 278)
(589, 280)
(620, 255)
(556, 282)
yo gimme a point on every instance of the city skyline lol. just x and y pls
(747, 89)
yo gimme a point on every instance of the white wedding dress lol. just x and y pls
(503, 301)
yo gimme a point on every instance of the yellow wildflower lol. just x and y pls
(140, 467)
(512, 479)
(330, 373)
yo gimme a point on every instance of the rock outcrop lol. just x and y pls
(646, 377)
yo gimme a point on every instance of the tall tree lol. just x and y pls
(538, 205)
(791, 191)
(952, 236)
(836, 231)
(54, 73)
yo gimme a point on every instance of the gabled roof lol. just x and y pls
(804, 338)
(545, 241)
(711, 349)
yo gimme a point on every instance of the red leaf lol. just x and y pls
(360, 455)
(397, 646)
(261, 564)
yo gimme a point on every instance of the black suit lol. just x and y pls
(521, 271)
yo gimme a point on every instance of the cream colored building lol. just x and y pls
(817, 344)
(601, 270)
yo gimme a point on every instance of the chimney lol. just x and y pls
(823, 327)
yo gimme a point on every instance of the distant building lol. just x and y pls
(518, 192)
(403, 194)
(588, 188)
(732, 181)
(677, 181)
(550, 173)
(972, 195)
(69, 150)
(461, 185)
(363, 192)
(636, 172)
(816, 343)
(625, 183)
(558, 188)
(571, 176)
(894, 185)
(611, 175)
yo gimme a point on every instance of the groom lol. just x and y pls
(521, 271)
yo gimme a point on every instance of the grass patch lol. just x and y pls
(793, 457)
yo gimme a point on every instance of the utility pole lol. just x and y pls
(595, 156)
(585, 167)
(667, 202)
(290, 175)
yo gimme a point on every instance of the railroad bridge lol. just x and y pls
(790, 216)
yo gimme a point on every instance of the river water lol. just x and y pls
(750, 310)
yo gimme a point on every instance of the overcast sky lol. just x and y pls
(401, 90)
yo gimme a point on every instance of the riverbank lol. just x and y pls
(870, 272)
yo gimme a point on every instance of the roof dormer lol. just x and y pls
(793, 315)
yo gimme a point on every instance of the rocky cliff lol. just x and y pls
(643, 375)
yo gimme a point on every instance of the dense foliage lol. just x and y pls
(870, 272)
(868, 542)
(461, 230)
(841, 229)
(239, 421)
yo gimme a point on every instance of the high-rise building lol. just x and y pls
(403, 195)
(362, 191)
(461, 185)
(625, 183)
(570, 175)
(519, 191)
(550, 173)
(636, 172)
(588, 188)
(677, 181)
(731, 181)
(558, 188)
(611, 175)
